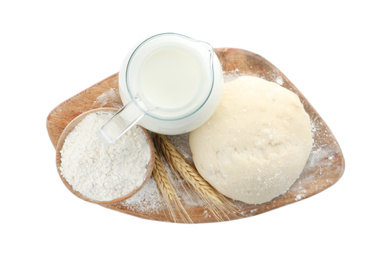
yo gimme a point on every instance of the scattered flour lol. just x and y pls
(323, 155)
(181, 144)
(109, 98)
(270, 76)
(147, 199)
(279, 80)
(99, 171)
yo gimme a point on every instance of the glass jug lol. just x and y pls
(169, 84)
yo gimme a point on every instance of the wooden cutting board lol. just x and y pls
(323, 169)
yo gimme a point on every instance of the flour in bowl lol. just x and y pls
(100, 171)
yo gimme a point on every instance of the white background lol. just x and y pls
(336, 53)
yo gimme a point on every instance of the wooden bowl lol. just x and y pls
(61, 142)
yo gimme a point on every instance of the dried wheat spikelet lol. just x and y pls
(214, 200)
(168, 192)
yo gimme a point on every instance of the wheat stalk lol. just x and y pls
(168, 192)
(212, 198)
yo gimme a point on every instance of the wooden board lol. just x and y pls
(323, 169)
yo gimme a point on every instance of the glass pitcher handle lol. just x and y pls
(127, 117)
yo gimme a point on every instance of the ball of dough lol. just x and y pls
(256, 144)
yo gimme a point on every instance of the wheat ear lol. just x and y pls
(168, 192)
(205, 191)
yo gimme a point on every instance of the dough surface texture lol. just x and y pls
(256, 144)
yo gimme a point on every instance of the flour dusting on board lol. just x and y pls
(323, 155)
(109, 98)
(270, 76)
(147, 199)
(181, 144)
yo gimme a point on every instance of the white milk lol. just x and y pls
(171, 79)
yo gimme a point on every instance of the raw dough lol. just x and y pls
(256, 144)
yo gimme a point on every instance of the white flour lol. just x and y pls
(99, 171)
(147, 199)
(110, 98)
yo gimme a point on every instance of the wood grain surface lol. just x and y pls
(323, 169)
